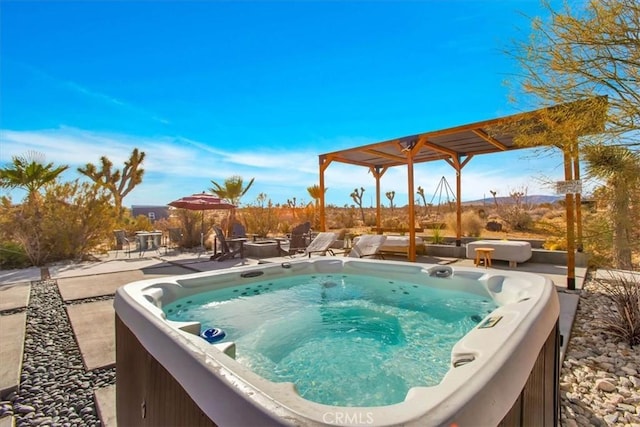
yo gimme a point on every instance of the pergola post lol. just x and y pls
(412, 214)
(324, 163)
(458, 203)
(569, 204)
(377, 173)
(576, 176)
(455, 162)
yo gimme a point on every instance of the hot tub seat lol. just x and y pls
(513, 251)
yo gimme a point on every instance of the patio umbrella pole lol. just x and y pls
(202, 233)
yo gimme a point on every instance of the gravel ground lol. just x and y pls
(55, 389)
(599, 381)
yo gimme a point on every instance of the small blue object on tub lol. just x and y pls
(213, 335)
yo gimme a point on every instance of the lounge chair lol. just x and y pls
(367, 245)
(298, 240)
(229, 248)
(321, 243)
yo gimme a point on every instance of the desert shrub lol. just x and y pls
(471, 224)
(284, 227)
(260, 217)
(370, 220)
(77, 218)
(517, 218)
(392, 222)
(437, 237)
(556, 239)
(164, 224)
(191, 223)
(344, 218)
(538, 213)
(622, 314)
(554, 243)
(307, 214)
(598, 239)
(66, 222)
(553, 214)
(139, 223)
(12, 255)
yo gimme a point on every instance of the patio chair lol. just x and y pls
(122, 241)
(238, 231)
(229, 248)
(297, 242)
(321, 243)
(367, 245)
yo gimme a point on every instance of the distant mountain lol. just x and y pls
(506, 200)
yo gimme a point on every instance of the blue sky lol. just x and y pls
(211, 89)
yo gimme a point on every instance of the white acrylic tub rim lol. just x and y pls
(479, 392)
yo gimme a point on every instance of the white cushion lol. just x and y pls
(505, 250)
(398, 243)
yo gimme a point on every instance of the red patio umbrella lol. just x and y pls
(201, 202)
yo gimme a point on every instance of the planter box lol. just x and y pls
(448, 251)
(544, 256)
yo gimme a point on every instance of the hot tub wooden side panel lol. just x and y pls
(538, 403)
(146, 394)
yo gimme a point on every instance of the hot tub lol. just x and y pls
(503, 370)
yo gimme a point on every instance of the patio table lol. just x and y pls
(148, 240)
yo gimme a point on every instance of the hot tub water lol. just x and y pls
(346, 340)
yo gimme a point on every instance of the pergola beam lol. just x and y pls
(459, 144)
(392, 157)
(491, 140)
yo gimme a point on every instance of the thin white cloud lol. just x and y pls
(175, 166)
(92, 94)
(109, 99)
(171, 162)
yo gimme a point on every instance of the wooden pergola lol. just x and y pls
(457, 146)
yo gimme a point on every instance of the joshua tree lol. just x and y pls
(495, 199)
(620, 168)
(424, 200)
(357, 198)
(390, 195)
(292, 205)
(117, 183)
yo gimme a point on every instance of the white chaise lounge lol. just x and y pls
(513, 251)
(398, 245)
